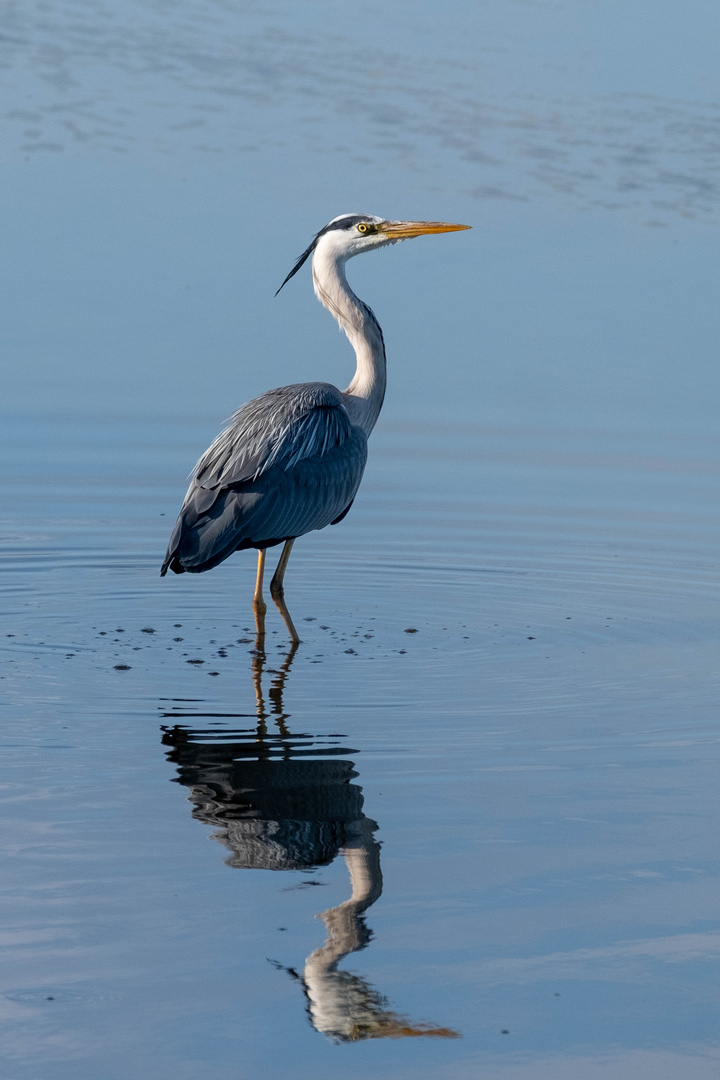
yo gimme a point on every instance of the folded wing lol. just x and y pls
(288, 463)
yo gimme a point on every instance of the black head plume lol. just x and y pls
(345, 222)
(306, 253)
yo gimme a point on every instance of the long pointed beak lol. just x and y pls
(402, 230)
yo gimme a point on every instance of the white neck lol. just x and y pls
(364, 396)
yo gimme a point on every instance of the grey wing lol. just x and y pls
(281, 427)
(288, 463)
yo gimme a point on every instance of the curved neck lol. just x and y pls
(364, 396)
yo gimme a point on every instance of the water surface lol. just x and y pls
(468, 826)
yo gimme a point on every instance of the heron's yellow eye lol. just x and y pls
(363, 227)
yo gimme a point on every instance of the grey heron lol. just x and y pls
(291, 460)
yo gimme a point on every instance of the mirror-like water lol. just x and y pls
(468, 827)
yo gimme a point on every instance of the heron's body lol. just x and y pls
(249, 491)
(291, 460)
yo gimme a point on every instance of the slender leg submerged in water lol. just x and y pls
(259, 605)
(278, 592)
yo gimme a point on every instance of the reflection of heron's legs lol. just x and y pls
(275, 692)
(278, 593)
(258, 663)
(276, 689)
(259, 605)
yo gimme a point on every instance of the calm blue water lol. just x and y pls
(491, 766)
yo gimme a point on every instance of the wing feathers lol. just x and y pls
(283, 426)
(288, 463)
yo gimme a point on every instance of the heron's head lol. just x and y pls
(351, 234)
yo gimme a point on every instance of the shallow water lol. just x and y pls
(491, 765)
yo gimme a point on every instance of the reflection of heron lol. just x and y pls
(283, 802)
(343, 1006)
(291, 461)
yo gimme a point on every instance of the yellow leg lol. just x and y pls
(259, 605)
(278, 592)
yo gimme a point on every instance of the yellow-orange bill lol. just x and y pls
(403, 229)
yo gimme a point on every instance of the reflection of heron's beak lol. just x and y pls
(402, 230)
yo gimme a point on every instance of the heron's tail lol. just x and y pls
(172, 563)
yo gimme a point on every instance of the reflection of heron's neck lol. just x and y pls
(331, 1006)
(343, 1006)
(345, 932)
(364, 396)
